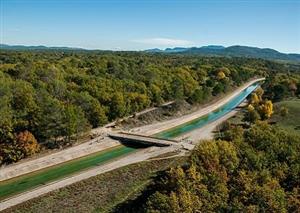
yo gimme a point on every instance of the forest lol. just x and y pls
(50, 98)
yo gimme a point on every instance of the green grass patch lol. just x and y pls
(291, 121)
(41, 177)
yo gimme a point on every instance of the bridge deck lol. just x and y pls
(143, 139)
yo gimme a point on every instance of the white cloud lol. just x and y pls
(163, 41)
(14, 29)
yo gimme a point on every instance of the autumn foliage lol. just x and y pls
(19, 146)
(258, 108)
(27, 143)
(254, 172)
(221, 75)
(266, 109)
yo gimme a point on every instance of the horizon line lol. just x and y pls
(137, 50)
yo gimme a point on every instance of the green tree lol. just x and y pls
(156, 94)
(198, 96)
(218, 88)
(93, 110)
(117, 106)
(251, 115)
(74, 122)
(6, 121)
(49, 128)
(24, 105)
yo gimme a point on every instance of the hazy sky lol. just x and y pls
(135, 25)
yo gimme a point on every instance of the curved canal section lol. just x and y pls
(208, 118)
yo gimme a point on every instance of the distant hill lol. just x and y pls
(155, 50)
(210, 50)
(233, 51)
(40, 47)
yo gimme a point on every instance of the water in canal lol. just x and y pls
(210, 117)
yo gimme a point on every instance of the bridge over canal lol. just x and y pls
(153, 141)
(148, 140)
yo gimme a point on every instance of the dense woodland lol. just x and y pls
(49, 98)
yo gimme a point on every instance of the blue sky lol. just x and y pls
(138, 24)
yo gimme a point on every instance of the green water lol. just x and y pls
(210, 117)
(41, 177)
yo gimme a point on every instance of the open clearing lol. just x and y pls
(291, 121)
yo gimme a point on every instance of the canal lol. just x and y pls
(29, 181)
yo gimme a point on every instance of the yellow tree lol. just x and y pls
(259, 92)
(266, 109)
(221, 75)
(250, 108)
(225, 70)
(27, 143)
(254, 99)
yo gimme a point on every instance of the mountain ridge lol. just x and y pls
(209, 50)
(234, 51)
(36, 47)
